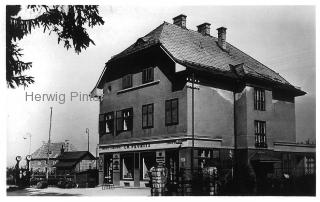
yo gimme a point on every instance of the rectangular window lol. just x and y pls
(259, 99)
(260, 134)
(147, 75)
(147, 116)
(109, 118)
(171, 112)
(106, 123)
(124, 120)
(127, 81)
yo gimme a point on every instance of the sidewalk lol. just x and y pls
(97, 191)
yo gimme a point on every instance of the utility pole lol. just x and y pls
(87, 131)
(49, 142)
(192, 111)
(192, 79)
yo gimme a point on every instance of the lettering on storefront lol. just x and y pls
(126, 147)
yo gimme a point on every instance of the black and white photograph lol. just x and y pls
(159, 100)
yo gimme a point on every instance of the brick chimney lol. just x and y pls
(222, 32)
(180, 20)
(204, 29)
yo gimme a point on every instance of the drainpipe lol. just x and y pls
(192, 148)
(234, 163)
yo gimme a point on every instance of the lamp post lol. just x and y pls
(87, 131)
(49, 142)
(29, 134)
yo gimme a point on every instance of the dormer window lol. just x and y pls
(127, 81)
(147, 75)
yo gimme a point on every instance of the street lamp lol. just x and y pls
(87, 131)
(29, 134)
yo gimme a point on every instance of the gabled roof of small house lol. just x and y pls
(70, 159)
(75, 155)
(65, 164)
(192, 49)
(55, 150)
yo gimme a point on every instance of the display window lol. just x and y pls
(127, 166)
(207, 156)
(148, 160)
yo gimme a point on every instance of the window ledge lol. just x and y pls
(138, 87)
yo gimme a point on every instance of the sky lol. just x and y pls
(281, 37)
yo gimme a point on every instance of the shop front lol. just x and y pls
(128, 164)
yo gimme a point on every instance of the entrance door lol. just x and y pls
(108, 170)
(172, 162)
(261, 170)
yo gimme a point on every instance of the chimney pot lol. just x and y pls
(204, 29)
(180, 20)
(222, 32)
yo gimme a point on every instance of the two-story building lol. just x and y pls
(186, 98)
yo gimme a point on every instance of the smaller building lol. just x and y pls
(39, 159)
(79, 167)
(74, 162)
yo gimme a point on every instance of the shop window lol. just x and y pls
(310, 166)
(147, 116)
(171, 108)
(148, 160)
(127, 167)
(127, 81)
(260, 134)
(124, 120)
(207, 156)
(147, 75)
(259, 99)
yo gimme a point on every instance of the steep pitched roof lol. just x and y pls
(55, 150)
(189, 47)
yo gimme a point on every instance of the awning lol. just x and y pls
(264, 158)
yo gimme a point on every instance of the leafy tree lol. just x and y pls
(68, 22)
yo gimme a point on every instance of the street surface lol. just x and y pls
(97, 191)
